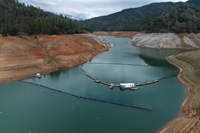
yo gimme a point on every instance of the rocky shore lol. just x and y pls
(189, 118)
(167, 40)
(24, 56)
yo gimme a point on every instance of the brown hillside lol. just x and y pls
(24, 56)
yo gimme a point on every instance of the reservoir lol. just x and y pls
(32, 108)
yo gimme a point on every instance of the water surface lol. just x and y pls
(30, 108)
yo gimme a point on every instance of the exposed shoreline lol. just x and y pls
(23, 56)
(167, 40)
(189, 118)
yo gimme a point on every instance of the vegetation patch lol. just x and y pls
(8, 68)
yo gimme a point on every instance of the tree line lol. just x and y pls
(18, 18)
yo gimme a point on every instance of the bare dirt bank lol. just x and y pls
(167, 40)
(24, 56)
(189, 118)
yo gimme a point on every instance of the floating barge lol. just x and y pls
(122, 86)
(132, 86)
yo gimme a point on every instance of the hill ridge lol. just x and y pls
(126, 19)
(117, 20)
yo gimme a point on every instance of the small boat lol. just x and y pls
(38, 75)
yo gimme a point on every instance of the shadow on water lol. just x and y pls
(58, 73)
(157, 57)
(155, 62)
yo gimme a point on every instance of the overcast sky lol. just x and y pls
(84, 9)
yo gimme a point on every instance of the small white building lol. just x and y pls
(131, 86)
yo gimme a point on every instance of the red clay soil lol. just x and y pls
(24, 56)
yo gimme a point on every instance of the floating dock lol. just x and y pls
(111, 85)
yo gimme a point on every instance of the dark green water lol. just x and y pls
(26, 108)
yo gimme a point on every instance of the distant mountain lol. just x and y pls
(195, 2)
(17, 18)
(117, 20)
(137, 19)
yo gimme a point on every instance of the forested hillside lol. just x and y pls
(156, 17)
(118, 20)
(17, 18)
(182, 19)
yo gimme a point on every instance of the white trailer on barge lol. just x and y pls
(131, 86)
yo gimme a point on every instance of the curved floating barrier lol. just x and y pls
(135, 86)
(87, 98)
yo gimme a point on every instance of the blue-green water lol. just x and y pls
(28, 108)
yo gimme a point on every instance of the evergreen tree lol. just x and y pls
(17, 18)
